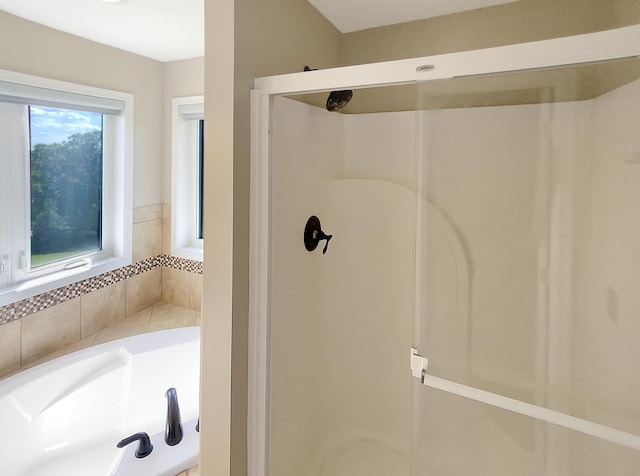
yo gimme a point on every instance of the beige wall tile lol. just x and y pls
(94, 318)
(159, 316)
(168, 316)
(143, 290)
(195, 471)
(161, 325)
(67, 349)
(175, 286)
(101, 308)
(47, 331)
(166, 210)
(147, 239)
(137, 323)
(152, 212)
(10, 347)
(195, 292)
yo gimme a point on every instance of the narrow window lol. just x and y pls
(66, 163)
(187, 192)
(200, 198)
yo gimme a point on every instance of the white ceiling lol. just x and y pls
(164, 30)
(168, 30)
(354, 15)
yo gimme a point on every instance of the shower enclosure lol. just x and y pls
(476, 311)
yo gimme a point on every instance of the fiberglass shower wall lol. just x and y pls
(340, 323)
(529, 276)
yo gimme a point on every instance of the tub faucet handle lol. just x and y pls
(144, 446)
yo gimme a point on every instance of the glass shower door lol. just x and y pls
(528, 242)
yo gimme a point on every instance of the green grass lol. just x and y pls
(40, 260)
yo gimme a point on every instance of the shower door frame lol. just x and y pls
(587, 48)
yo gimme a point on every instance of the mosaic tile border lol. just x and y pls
(182, 264)
(20, 309)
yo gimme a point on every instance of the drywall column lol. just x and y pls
(215, 389)
(244, 39)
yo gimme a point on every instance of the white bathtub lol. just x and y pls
(64, 417)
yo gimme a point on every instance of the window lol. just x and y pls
(200, 193)
(187, 179)
(65, 184)
(65, 195)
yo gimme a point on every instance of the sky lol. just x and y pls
(50, 125)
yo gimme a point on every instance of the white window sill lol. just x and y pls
(35, 286)
(188, 252)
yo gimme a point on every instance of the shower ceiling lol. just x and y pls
(354, 15)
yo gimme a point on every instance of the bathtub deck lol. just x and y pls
(191, 472)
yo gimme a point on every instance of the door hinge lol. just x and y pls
(418, 365)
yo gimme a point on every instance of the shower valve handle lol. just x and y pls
(313, 235)
(326, 245)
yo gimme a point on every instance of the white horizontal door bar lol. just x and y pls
(540, 413)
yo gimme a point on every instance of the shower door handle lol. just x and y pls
(587, 427)
(419, 365)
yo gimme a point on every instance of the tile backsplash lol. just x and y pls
(42, 324)
(57, 296)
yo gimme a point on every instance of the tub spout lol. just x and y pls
(173, 430)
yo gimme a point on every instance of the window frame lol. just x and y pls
(186, 114)
(78, 259)
(117, 183)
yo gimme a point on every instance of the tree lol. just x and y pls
(66, 194)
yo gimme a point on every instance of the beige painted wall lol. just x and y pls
(517, 22)
(180, 78)
(30, 48)
(215, 337)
